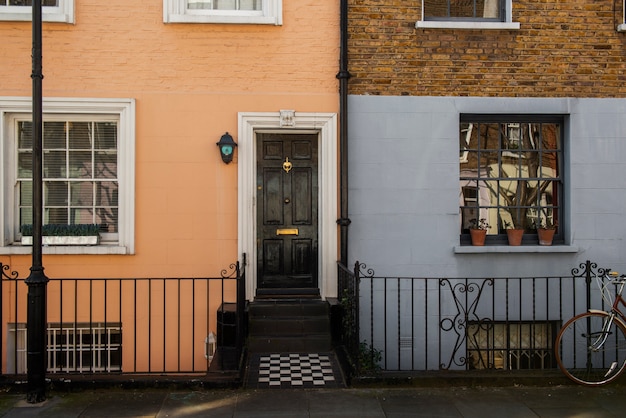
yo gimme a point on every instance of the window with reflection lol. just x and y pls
(464, 9)
(511, 174)
(80, 180)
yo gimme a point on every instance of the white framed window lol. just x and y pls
(467, 14)
(61, 11)
(622, 26)
(88, 170)
(511, 175)
(264, 12)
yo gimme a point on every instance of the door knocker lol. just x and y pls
(287, 165)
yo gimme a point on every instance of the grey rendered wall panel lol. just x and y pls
(403, 180)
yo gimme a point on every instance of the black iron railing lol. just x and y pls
(418, 324)
(125, 325)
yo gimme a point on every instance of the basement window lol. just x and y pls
(511, 346)
(75, 348)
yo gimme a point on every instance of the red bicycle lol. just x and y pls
(591, 347)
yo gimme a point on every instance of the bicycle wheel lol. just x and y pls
(587, 353)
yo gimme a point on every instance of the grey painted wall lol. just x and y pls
(404, 187)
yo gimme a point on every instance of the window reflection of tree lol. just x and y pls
(518, 163)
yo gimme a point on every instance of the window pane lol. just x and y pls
(54, 166)
(54, 135)
(25, 165)
(80, 135)
(106, 193)
(55, 193)
(82, 216)
(25, 136)
(81, 193)
(105, 165)
(105, 135)
(107, 218)
(80, 164)
(55, 216)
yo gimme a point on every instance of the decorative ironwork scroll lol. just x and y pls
(466, 312)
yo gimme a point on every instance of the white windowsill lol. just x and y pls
(507, 249)
(437, 24)
(621, 28)
(101, 249)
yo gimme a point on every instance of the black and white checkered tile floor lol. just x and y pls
(293, 370)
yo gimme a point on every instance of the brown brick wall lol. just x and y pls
(566, 48)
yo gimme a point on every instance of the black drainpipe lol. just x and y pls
(343, 77)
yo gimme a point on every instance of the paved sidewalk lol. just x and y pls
(485, 402)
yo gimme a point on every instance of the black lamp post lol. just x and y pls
(227, 147)
(37, 281)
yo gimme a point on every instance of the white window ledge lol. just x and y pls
(508, 249)
(437, 24)
(101, 249)
(621, 28)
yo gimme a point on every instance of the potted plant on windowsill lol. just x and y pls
(546, 231)
(62, 234)
(478, 231)
(513, 234)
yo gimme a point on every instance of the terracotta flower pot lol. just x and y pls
(515, 236)
(478, 236)
(545, 236)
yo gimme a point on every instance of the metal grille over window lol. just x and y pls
(80, 179)
(81, 347)
(513, 346)
(510, 174)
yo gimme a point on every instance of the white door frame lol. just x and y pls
(325, 124)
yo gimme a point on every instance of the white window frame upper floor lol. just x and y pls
(176, 11)
(122, 110)
(63, 13)
(506, 23)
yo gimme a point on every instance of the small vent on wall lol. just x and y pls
(406, 343)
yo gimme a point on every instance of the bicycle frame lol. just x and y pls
(614, 313)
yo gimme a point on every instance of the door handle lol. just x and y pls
(287, 231)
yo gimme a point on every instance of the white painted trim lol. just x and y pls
(326, 125)
(175, 11)
(124, 109)
(64, 13)
(439, 24)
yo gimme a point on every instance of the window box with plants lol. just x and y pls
(61, 234)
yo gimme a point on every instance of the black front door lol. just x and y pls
(287, 194)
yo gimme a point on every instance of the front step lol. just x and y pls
(289, 326)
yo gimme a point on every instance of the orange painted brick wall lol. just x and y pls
(189, 82)
(566, 48)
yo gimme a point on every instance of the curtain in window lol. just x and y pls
(490, 8)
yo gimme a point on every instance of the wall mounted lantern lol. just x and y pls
(227, 147)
